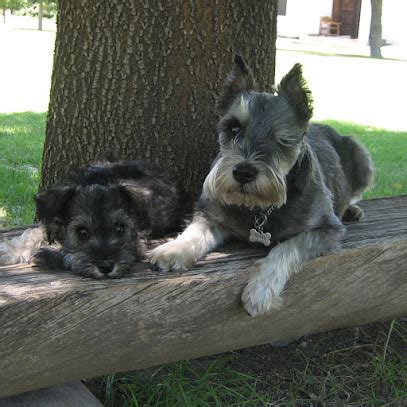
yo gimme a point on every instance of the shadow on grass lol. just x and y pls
(21, 145)
(34, 29)
(333, 54)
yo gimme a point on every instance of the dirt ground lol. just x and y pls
(335, 368)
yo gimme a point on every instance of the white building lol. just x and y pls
(299, 17)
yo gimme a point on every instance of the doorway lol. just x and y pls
(347, 12)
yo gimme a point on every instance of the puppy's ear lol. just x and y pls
(52, 203)
(293, 87)
(240, 79)
(51, 206)
(137, 199)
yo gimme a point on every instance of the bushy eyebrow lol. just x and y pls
(228, 123)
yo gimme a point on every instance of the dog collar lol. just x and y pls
(256, 233)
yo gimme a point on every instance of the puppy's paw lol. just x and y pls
(48, 257)
(353, 213)
(261, 293)
(173, 256)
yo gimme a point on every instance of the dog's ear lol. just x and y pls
(293, 87)
(137, 199)
(240, 79)
(52, 203)
(51, 207)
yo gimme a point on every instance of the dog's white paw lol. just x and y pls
(262, 292)
(175, 256)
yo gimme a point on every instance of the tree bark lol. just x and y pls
(57, 327)
(375, 37)
(139, 80)
(40, 13)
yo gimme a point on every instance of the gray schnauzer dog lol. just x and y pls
(93, 220)
(277, 179)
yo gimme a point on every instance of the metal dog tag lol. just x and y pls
(260, 237)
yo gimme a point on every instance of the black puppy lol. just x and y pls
(91, 222)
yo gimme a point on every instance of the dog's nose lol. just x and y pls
(244, 173)
(106, 267)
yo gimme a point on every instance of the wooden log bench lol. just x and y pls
(57, 328)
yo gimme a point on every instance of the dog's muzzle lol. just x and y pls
(244, 173)
(105, 267)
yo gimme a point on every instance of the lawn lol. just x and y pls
(22, 138)
(21, 143)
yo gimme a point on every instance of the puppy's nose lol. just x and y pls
(105, 267)
(244, 173)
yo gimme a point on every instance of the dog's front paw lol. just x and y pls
(48, 257)
(262, 293)
(175, 256)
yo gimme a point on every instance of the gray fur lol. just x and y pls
(270, 155)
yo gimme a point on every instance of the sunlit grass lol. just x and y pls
(389, 153)
(22, 139)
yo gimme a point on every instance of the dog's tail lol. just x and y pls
(21, 248)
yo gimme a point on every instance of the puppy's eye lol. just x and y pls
(235, 131)
(82, 233)
(119, 229)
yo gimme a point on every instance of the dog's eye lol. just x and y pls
(235, 131)
(82, 233)
(119, 229)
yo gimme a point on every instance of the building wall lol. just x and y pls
(302, 17)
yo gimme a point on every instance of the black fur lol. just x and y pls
(98, 214)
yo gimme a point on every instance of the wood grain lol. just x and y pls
(56, 327)
(66, 395)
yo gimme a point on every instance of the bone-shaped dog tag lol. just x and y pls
(260, 237)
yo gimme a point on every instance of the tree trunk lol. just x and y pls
(40, 13)
(376, 29)
(140, 82)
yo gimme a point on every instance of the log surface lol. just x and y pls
(57, 328)
(65, 395)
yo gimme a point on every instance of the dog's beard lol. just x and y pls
(268, 188)
(81, 264)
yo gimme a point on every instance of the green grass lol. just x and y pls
(389, 153)
(21, 143)
(22, 138)
(186, 383)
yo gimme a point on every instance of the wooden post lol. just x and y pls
(66, 395)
